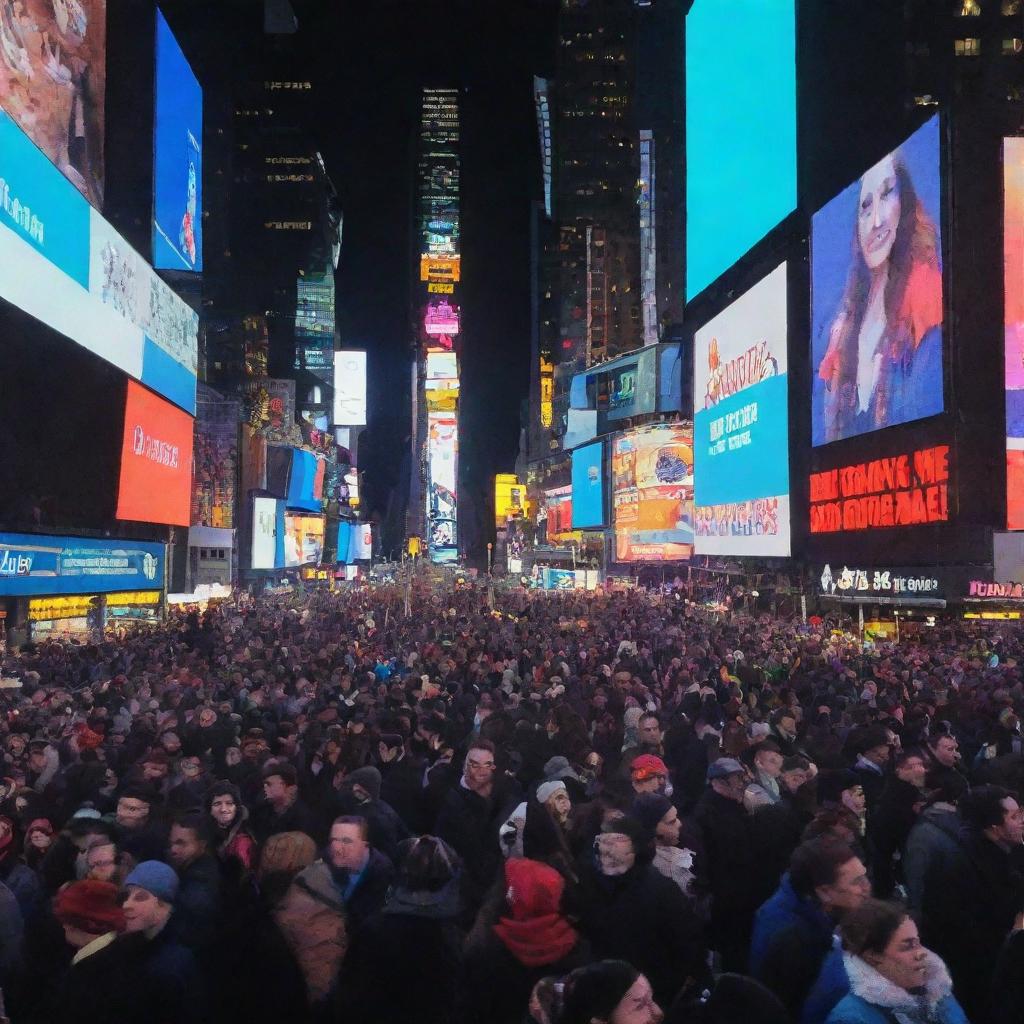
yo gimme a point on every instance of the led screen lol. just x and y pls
(442, 469)
(156, 461)
(741, 426)
(876, 296)
(52, 82)
(652, 493)
(1013, 298)
(442, 366)
(441, 318)
(305, 481)
(62, 263)
(740, 130)
(177, 158)
(264, 533)
(588, 486)
(350, 389)
(303, 540)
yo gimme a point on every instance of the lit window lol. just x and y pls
(1008, 8)
(970, 8)
(1012, 47)
(967, 47)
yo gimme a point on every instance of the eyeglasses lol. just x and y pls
(487, 766)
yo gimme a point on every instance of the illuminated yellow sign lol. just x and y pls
(440, 288)
(547, 391)
(135, 597)
(994, 616)
(44, 609)
(509, 498)
(440, 268)
(442, 400)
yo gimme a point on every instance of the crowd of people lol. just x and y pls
(449, 805)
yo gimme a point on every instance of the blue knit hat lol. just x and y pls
(155, 877)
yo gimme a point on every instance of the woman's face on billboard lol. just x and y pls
(879, 213)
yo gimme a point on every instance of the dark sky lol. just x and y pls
(372, 58)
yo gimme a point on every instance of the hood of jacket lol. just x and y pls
(316, 880)
(439, 905)
(943, 817)
(877, 990)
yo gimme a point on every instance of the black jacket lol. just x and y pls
(371, 892)
(197, 907)
(402, 787)
(889, 825)
(266, 822)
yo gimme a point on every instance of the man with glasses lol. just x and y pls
(471, 814)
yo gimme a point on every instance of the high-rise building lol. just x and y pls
(437, 322)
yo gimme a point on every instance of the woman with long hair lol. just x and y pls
(883, 363)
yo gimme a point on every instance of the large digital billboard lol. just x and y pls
(350, 389)
(741, 426)
(740, 130)
(588, 486)
(1013, 300)
(265, 525)
(53, 56)
(442, 474)
(652, 493)
(177, 158)
(876, 296)
(32, 564)
(156, 461)
(303, 540)
(62, 263)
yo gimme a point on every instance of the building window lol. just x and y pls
(1008, 8)
(969, 8)
(967, 47)
(1012, 47)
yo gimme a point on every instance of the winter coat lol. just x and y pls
(791, 939)
(1008, 982)
(874, 999)
(889, 824)
(832, 985)
(932, 845)
(11, 933)
(369, 895)
(404, 963)
(266, 822)
(197, 907)
(311, 917)
(402, 787)
(729, 871)
(643, 918)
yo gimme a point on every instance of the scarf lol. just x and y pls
(538, 941)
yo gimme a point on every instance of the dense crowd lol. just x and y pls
(445, 805)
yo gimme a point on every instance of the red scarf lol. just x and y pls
(539, 941)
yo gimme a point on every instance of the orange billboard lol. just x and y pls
(440, 268)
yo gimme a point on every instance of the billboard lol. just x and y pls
(303, 540)
(442, 366)
(442, 476)
(436, 268)
(741, 426)
(156, 461)
(740, 115)
(441, 318)
(32, 564)
(216, 462)
(62, 263)
(588, 487)
(306, 481)
(1013, 321)
(906, 488)
(177, 158)
(876, 296)
(53, 56)
(652, 493)
(509, 499)
(264, 533)
(350, 389)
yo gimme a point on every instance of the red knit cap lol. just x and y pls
(647, 766)
(90, 905)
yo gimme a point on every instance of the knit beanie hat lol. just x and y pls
(155, 877)
(369, 778)
(91, 906)
(649, 809)
(546, 790)
(596, 990)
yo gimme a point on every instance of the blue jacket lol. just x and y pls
(792, 936)
(828, 990)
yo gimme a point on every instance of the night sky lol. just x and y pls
(372, 59)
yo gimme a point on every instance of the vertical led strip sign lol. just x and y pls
(177, 158)
(740, 130)
(1013, 299)
(741, 426)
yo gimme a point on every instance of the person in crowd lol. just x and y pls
(901, 801)
(360, 874)
(873, 752)
(943, 764)
(232, 840)
(416, 929)
(401, 783)
(104, 863)
(90, 914)
(892, 976)
(660, 817)
(607, 992)
(793, 930)
(283, 809)
(648, 774)
(198, 905)
(360, 795)
(932, 846)
(138, 825)
(766, 762)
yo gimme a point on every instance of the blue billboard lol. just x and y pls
(63, 264)
(741, 426)
(588, 487)
(876, 295)
(177, 158)
(34, 565)
(740, 130)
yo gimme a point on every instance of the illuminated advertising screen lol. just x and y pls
(905, 488)
(652, 493)
(306, 481)
(740, 130)
(36, 564)
(350, 389)
(62, 263)
(588, 486)
(741, 426)
(216, 463)
(440, 269)
(442, 366)
(558, 515)
(509, 499)
(442, 470)
(177, 158)
(264, 533)
(156, 461)
(876, 296)
(441, 318)
(303, 540)
(53, 83)
(1013, 299)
